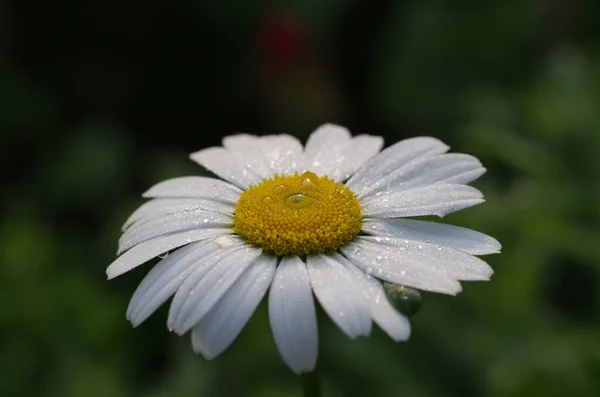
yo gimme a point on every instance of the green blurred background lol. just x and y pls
(100, 99)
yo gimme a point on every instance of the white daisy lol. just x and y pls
(328, 219)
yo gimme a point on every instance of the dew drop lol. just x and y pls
(280, 190)
(298, 200)
(309, 180)
(267, 199)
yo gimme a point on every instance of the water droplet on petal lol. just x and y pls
(407, 300)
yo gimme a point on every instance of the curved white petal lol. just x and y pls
(459, 238)
(292, 315)
(390, 320)
(393, 158)
(450, 262)
(336, 290)
(332, 151)
(165, 279)
(195, 187)
(232, 244)
(284, 153)
(323, 138)
(249, 150)
(438, 199)
(149, 249)
(444, 261)
(449, 168)
(159, 207)
(354, 155)
(324, 146)
(384, 262)
(227, 166)
(172, 223)
(200, 292)
(223, 323)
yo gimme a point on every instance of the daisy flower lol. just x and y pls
(328, 219)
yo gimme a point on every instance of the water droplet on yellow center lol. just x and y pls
(298, 200)
(298, 215)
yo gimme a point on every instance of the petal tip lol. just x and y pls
(200, 348)
(110, 273)
(402, 337)
(457, 290)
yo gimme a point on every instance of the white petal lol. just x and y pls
(331, 151)
(198, 294)
(354, 155)
(219, 328)
(147, 250)
(165, 278)
(159, 207)
(324, 146)
(450, 262)
(394, 158)
(337, 291)
(249, 150)
(384, 262)
(323, 138)
(445, 261)
(455, 168)
(394, 323)
(195, 187)
(233, 244)
(284, 153)
(227, 166)
(172, 223)
(438, 199)
(292, 315)
(459, 238)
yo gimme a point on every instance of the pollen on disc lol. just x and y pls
(298, 214)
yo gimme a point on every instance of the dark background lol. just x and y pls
(100, 99)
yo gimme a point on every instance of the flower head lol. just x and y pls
(329, 219)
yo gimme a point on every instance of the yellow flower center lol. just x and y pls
(297, 215)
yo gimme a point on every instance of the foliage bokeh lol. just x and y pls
(101, 99)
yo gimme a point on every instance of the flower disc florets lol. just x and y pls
(298, 215)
